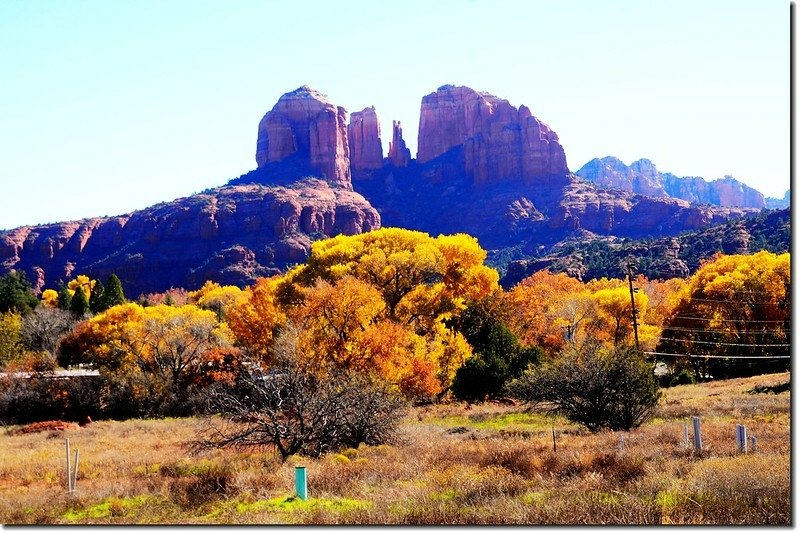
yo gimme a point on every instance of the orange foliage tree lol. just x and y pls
(735, 305)
(375, 302)
(546, 309)
(255, 318)
(552, 310)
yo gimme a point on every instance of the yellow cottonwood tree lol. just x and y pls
(376, 302)
(734, 305)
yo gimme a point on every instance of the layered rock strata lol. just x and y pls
(364, 137)
(306, 124)
(501, 144)
(643, 178)
(232, 235)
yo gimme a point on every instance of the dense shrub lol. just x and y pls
(682, 378)
(497, 354)
(40, 397)
(613, 389)
(301, 410)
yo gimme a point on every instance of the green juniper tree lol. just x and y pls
(79, 305)
(96, 298)
(64, 297)
(16, 293)
(112, 293)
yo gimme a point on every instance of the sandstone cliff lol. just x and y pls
(304, 123)
(779, 203)
(364, 137)
(611, 173)
(399, 155)
(231, 234)
(643, 178)
(500, 142)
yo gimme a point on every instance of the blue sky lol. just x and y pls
(107, 107)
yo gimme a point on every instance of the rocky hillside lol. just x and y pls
(642, 178)
(592, 256)
(231, 234)
(483, 167)
(779, 203)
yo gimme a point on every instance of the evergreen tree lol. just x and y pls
(16, 294)
(112, 293)
(79, 305)
(64, 297)
(497, 354)
(96, 298)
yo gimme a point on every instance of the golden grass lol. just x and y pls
(454, 464)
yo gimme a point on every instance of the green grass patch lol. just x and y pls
(534, 497)
(446, 495)
(111, 507)
(292, 507)
(520, 421)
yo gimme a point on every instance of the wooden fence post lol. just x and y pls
(75, 470)
(752, 443)
(69, 471)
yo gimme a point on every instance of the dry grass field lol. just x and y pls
(455, 464)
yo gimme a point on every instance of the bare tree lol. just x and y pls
(43, 329)
(300, 410)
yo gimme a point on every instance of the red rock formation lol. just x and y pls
(643, 178)
(611, 212)
(232, 235)
(306, 123)
(364, 137)
(399, 155)
(501, 143)
(732, 192)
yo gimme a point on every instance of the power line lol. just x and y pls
(731, 320)
(717, 356)
(707, 331)
(698, 299)
(726, 344)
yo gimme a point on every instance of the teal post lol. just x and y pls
(300, 482)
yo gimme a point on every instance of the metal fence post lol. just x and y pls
(741, 438)
(698, 438)
(300, 482)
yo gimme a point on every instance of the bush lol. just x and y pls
(41, 397)
(682, 378)
(302, 410)
(613, 389)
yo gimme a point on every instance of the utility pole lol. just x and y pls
(633, 307)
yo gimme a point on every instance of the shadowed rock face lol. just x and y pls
(399, 155)
(643, 178)
(305, 123)
(231, 234)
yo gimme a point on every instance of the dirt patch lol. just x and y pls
(44, 426)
